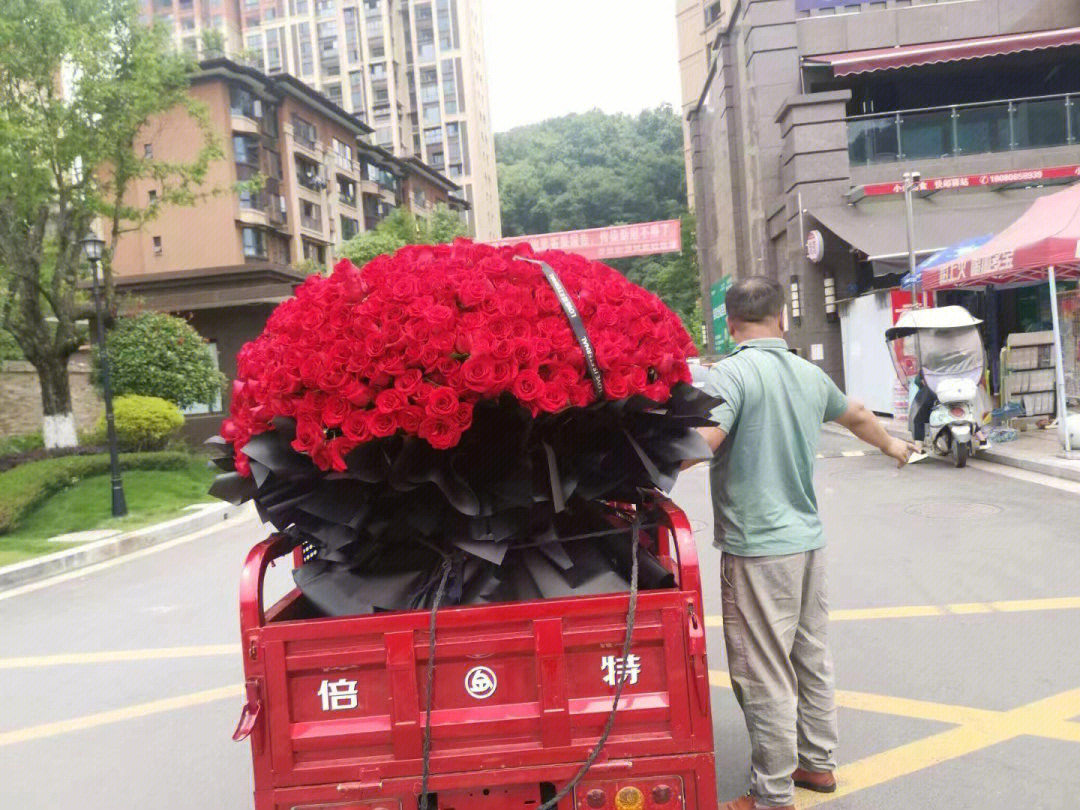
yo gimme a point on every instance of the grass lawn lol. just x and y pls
(152, 496)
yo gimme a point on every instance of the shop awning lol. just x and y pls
(933, 53)
(879, 229)
(1047, 234)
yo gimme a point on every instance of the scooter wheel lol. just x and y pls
(960, 453)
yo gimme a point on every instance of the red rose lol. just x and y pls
(439, 315)
(615, 385)
(408, 381)
(389, 401)
(528, 387)
(355, 427)
(553, 399)
(464, 415)
(357, 393)
(335, 411)
(478, 373)
(410, 418)
(440, 433)
(381, 424)
(442, 402)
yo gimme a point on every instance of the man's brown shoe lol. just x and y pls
(819, 781)
(747, 803)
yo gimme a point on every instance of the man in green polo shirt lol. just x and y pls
(773, 563)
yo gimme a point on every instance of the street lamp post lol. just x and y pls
(93, 247)
(911, 180)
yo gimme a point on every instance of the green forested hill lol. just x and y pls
(594, 169)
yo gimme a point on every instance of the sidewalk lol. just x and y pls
(1033, 450)
(117, 544)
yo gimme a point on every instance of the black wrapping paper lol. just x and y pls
(521, 506)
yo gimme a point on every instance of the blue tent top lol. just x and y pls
(945, 255)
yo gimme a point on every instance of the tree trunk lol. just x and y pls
(58, 428)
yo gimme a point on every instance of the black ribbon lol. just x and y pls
(572, 315)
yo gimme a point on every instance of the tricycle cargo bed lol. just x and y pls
(520, 696)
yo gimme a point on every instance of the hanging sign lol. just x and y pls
(815, 246)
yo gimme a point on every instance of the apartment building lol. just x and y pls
(298, 177)
(413, 70)
(812, 112)
(698, 23)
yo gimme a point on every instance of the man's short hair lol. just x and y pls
(754, 299)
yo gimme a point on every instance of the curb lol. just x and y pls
(1029, 465)
(70, 559)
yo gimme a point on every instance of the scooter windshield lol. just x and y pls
(951, 353)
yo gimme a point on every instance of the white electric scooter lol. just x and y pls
(939, 356)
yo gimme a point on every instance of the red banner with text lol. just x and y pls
(616, 241)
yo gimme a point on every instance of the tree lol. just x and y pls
(401, 228)
(591, 170)
(80, 80)
(157, 355)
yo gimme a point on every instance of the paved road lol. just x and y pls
(956, 608)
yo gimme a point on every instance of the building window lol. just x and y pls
(356, 90)
(307, 174)
(384, 136)
(246, 150)
(431, 114)
(273, 160)
(310, 215)
(304, 132)
(349, 227)
(449, 86)
(254, 243)
(157, 245)
(255, 51)
(302, 45)
(324, 8)
(153, 196)
(433, 135)
(314, 251)
(346, 191)
(333, 92)
(148, 151)
(215, 406)
(273, 50)
(243, 102)
(352, 34)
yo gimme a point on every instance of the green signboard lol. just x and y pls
(722, 342)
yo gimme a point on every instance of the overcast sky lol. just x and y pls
(550, 57)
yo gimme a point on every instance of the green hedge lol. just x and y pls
(28, 485)
(142, 423)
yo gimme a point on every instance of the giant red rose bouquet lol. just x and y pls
(411, 342)
(460, 402)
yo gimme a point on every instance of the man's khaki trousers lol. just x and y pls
(775, 628)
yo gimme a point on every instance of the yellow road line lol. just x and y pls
(117, 715)
(957, 608)
(975, 730)
(1034, 719)
(111, 656)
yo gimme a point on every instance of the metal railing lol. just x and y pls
(965, 129)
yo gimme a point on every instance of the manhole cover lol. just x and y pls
(957, 510)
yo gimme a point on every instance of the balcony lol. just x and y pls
(311, 223)
(964, 129)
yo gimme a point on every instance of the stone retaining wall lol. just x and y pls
(20, 396)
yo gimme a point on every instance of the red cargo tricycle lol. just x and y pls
(522, 691)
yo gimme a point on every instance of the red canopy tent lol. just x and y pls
(1043, 245)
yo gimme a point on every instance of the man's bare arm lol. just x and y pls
(714, 437)
(861, 421)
